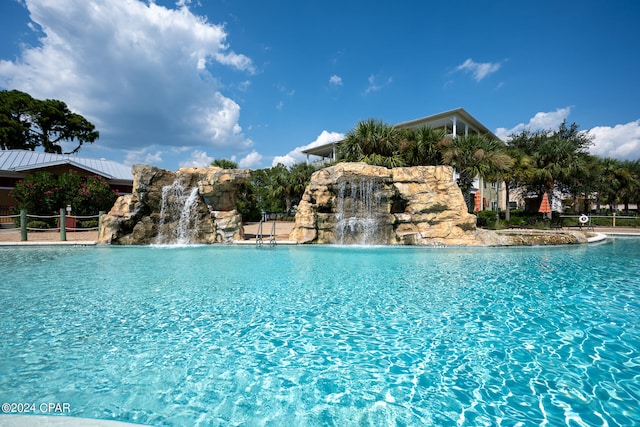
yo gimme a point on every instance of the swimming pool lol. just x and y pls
(306, 336)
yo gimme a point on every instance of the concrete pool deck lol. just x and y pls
(11, 237)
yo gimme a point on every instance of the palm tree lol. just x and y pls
(278, 185)
(224, 164)
(631, 184)
(516, 176)
(591, 184)
(576, 178)
(614, 179)
(299, 177)
(475, 155)
(373, 142)
(289, 183)
(419, 147)
(558, 158)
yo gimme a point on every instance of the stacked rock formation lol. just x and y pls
(348, 203)
(415, 206)
(212, 216)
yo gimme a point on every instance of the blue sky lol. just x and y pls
(181, 83)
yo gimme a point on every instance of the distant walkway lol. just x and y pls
(12, 236)
(283, 228)
(634, 231)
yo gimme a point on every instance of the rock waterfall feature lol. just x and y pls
(348, 203)
(178, 214)
(360, 214)
(190, 206)
(356, 203)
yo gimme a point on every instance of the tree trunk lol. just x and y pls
(587, 203)
(287, 202)
(507, 211)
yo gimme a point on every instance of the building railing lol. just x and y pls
(64, 222)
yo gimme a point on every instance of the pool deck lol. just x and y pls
(11, 237)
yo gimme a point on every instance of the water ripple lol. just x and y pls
(327, 336)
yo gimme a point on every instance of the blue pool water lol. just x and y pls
(326, 336)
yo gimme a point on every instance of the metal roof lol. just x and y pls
(25, 160)
(441, 119)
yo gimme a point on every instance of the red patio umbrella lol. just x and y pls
(477, 202)
(545, 208)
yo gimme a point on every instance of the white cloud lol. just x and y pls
(244, 86)
(250, 161)
(218, 126)
(147, 155)
(541, 121)
(240, 62)
(374, 86)
(619, 142)
(479, 70)
(198, 159)
(137, 70)
(335, 80)
(295, 156)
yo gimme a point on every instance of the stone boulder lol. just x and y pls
(190, 206)
(359, 203)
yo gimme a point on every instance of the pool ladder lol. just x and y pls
(272, 235)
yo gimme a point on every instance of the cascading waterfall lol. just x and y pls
(358, 208)
(178, 214)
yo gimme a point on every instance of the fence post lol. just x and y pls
(614, 219)
(63, 225)
(100, 221)
(23, 225)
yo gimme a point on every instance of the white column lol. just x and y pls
(455, 126)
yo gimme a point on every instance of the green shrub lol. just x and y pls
(628, 222)
(517, 218)
(89, 223)
(41, 225)
(37, 194)
(43, 193)
(486, 217)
